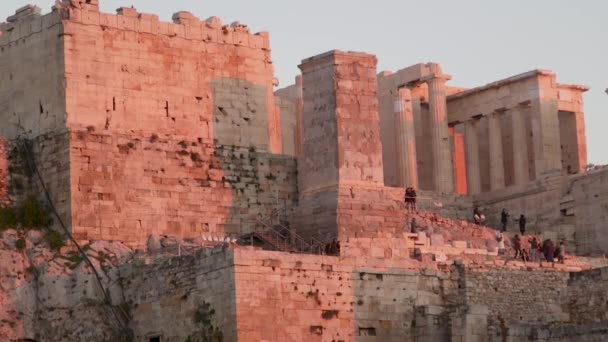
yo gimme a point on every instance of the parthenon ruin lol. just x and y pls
(197, 202)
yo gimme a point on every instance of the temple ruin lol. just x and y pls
(149, 139)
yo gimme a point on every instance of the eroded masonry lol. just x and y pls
(153, 138)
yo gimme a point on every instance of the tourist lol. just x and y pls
(549, 250)
(534, 249)
(408, 198)
(522, 224)
(476, 216)
(504, 218)
(338, 247)
(517, 246)
(413, 196)
(501, 243)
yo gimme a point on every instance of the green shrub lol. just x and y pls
(20, 244)
(55, 240)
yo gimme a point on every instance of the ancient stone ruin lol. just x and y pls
(155, 187)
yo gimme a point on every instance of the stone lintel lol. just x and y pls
(503, 82)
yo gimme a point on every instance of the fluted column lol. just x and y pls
(440, 137)
(520, 145)
(472, 157)
(406, 139)
(497, 165)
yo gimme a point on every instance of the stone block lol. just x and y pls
(437, 240)
(460, 244)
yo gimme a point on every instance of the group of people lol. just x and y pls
(410, 198)
(537, 251)
(332, 248)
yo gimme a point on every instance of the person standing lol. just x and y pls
(534, 249)
(522, 224)
(501, 243)
(413, 198)
(504, 219)
(517, 246)
(408, 198)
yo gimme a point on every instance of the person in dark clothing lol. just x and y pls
(408, 198)
(533, 249)
(413, 198)
(517, 246)
(522, 224)
(476, 216)
(549, 250)
(413, 226)
(504, 219)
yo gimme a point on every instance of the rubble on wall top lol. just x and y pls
(87, 12)
(25, 11)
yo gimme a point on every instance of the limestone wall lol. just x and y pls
(321, 298)
(133, 185)
(32, 102)
(514, 297)
(183, 297)
(590, 196)
(32, 91)
(171, 125)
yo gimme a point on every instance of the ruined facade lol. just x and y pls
(141, 128)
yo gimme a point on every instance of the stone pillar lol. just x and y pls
(342, 147)
(497, 165)
(472, 157)
(341, 124)
(299, 136)
(520, 145)
(406, 139)
(440, 138)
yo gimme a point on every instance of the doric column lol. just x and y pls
(497, 165)
(440, 138)
(472, 156)
(520, 145)
(406, 139)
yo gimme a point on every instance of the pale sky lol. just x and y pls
(476, 41)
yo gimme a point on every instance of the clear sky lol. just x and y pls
(476, 41)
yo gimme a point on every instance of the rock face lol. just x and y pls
(52, 295)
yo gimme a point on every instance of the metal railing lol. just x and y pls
(269, 227)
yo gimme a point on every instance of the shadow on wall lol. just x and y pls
(260, 182)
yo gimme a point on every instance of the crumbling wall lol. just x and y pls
(516, 297)
(587, 298)
(181, 298)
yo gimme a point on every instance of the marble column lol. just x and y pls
(520, 145)
(472, 156)
(406, 139)
(497, 165)
(440, 137)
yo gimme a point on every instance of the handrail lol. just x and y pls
(292, 240)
